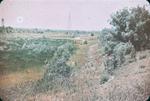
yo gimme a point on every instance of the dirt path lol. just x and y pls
(88, 78)
(91, 68)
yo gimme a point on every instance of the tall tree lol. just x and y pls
(132, 25)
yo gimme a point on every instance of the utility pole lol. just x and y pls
(3, 26)
(2, 22)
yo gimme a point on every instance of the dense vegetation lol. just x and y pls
(129, 33)
(24, 53)
(58, 71)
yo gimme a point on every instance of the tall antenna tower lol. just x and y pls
(69, 24)
(69, 20)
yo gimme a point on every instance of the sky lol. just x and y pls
(62, 14)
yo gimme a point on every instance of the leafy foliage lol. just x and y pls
(57, 70)
(129, 33)
(30, 52)
(132, 25)
(6, 29)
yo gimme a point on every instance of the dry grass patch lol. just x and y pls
(19, 77)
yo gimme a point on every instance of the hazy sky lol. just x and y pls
(62, 14)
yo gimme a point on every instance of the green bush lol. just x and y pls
(110, 63)
(107, 41)
(58, 72)
(120, 51)
(92, 34)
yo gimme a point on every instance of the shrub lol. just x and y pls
(107, 41)
(92, 34)
(110, 63)
(120, 51)
(58, 72)
(85, 42)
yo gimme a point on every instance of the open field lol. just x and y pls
(25, 56)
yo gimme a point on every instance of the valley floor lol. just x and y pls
(130, 83)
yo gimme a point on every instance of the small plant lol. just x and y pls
(85, 42)
(104, 78)
(92, 34)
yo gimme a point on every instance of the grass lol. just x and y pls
(20, 77)
(79, 58)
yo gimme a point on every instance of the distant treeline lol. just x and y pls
(38, 30)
